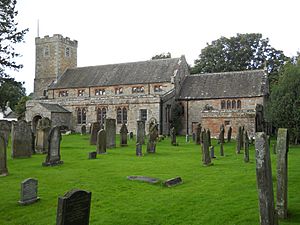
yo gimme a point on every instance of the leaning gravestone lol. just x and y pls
(21, 141)
(246, 151)
(205, 150)
(42, 133)
(153, 134)
(140, 134)
(268, 215)
(3, 158)
(53, 156)
(101, 141)
(282, 172)
(29, 188)
(198, 134)
(111, 130)
(5, 129)
(138, 149)
(94, 130)
(74, 208)
(123, 135)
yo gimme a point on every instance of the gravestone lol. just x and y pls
(153, 134)
(268, 215)
(238, 140)
(94, 131)
(259, 118)
(53, 155)
(139, 149)
(140, 134)
(123, 135)
(173, 136)
(194, 136)
(21, 140)
(83, 130)
(212, 152)
(246, 151)
(3, 158)
(198, 134)
(101, 142)
(222, 133)
(74, 208)
(209, 137)
(221, 150)
(92, 155)
(242, 137)
(29, 189)
(5, 129)
(42, 132)
(205, 150)
(229, 133)
(172, 182)
(111, 130)
(150, 180)
(131, 135)
(282, 172)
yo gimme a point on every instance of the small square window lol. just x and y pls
(80, 92)
(46, 51)
(67, 52)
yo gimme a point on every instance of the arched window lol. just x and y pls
(121, 115)
(228, 104)
(223, 104)
(239, 104)
(81, 115)
(233, 104)
(101, 115)
(124, 115)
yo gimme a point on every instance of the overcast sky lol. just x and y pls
(116, 31)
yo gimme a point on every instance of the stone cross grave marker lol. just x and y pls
(101, 142)
(94, 130)
(123, 135)
(21, 141)
(282, 172)
(42, 133)
(74, 208)
(111, 130)
(268, 215)
(53, 155)
(3, 157)
(29, 190)
(140, 134)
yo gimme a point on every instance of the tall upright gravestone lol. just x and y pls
(140, 133)
(3, 158)
(21, 139)
(5, 129)
(123, 135)
(101, 142)
(246, 151)
(173, 136)
(206, 160)
(238, 140)
(74, 208)
(111, 130)
(42, 133)
(53, 156)
(94, 131)
(229, 133)
(282, 172)
(198, 134)
(222, 133)
(268, 215)
(153, 134)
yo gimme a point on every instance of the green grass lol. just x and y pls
(224, 193)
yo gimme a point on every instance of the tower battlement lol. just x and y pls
(55, 38)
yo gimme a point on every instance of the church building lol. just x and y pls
(74, 96)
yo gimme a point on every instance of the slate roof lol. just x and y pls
(249, 83)
(54, 108)
(152, 71)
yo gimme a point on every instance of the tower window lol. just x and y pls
(143, 114)
(139, 89)
(81, 92)
(101, 115)
(158, 88)
(46, 51)
(63, 94)
(119, 90)
(239, 104)
(100, 92)
(228, 104)
(81, 115)
(121, 115)
(223, 103)
(67, 52)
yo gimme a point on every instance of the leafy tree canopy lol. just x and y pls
(20, 107)
(241, 52)
(162, 56)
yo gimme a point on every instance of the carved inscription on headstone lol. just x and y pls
(21, 142)
(53, 156)
(94, 130)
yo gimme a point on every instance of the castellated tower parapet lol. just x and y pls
(54, 55)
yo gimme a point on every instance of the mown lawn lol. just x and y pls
(224, 193)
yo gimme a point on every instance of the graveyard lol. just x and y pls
(225, 192)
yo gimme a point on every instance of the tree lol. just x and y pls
(10, 91)
(283, 109)
(242, 52)
(162, 56)
(9, 36)
(20, 107)
(177, 112)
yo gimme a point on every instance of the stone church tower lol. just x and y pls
(54, 55)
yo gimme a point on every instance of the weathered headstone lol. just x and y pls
(153, 134)
(246, 151)
(140, 134)
(222, 133)
(123, 135)
(187, 138)
(172, 182)
(212, 152)
(229, 133)
(83, 130)
(138, 149)
(21, 140)
(3, 158)
(42, 132)
(205, 150)
(238, 140)
(282, 172)
(198, 134)
(194, 136)
(268, 215)
(221, 150)
(242, 139)
(53, 155)
(209, 137)
(150, 180)
(111, 130)
(101, 142)
(92, 155)
(74, 208)
(29, 190)
(131, 135)
(173, 136)
(5, 129)
(94, 131)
